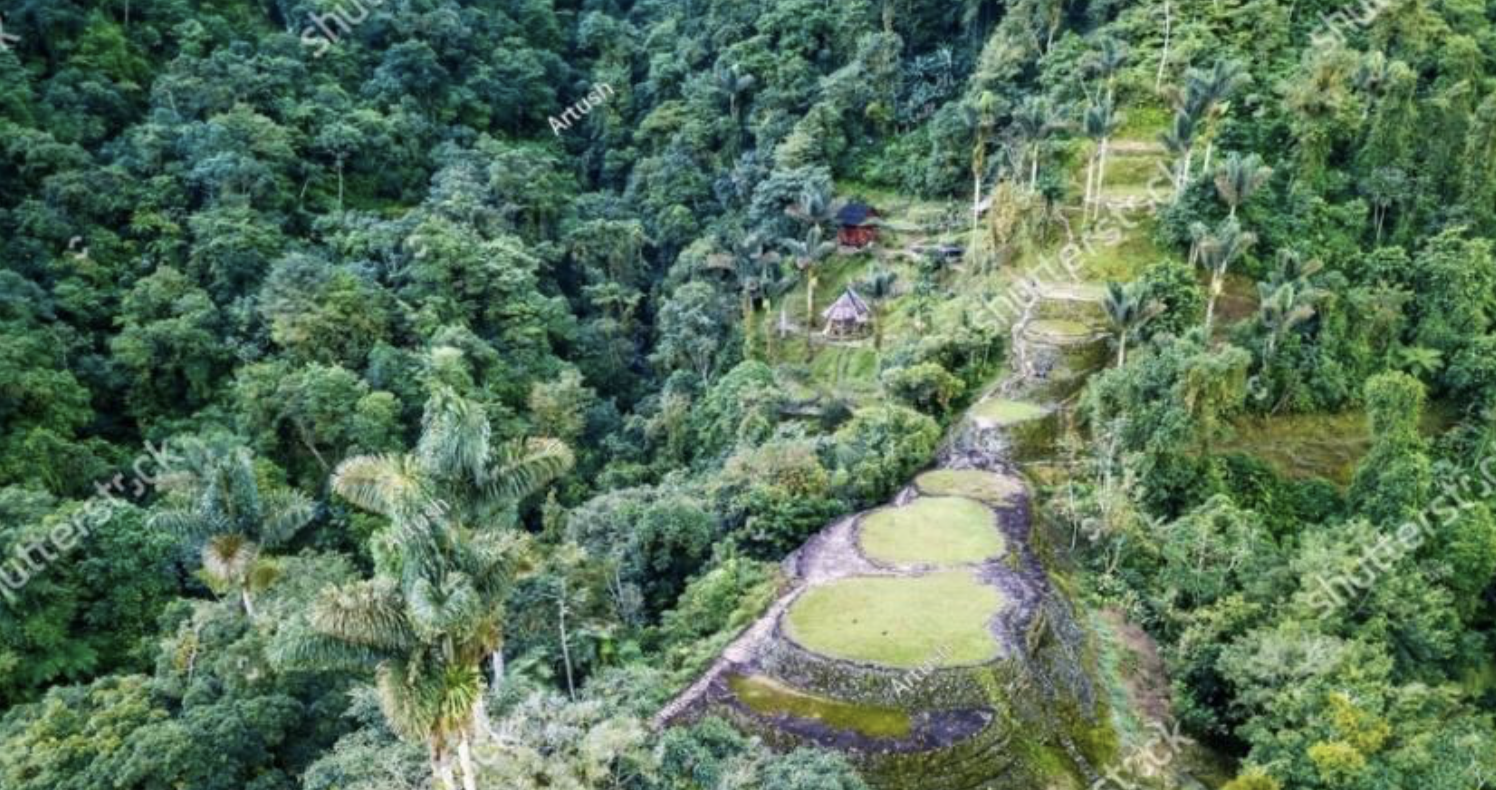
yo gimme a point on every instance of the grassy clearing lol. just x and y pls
(935, 620)
(1058, 328)
(1303, 446)
(1007, 412)
(997, 489)
(771, 698)
(942, 530)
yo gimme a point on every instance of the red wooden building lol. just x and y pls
(857, 225)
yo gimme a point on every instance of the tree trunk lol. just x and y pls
(1101, 175)
(1122, 348)
(571, 689)
(496, 661)
(1210, 303)
(441, 767)
(469, 770)
(976, 197)
(1163, 59)
(1085, 204)
(249, 604)
(1034, 170)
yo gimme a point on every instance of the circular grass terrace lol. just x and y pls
(1007, 412)
(934, 530)
(991, 487)
(936, 620)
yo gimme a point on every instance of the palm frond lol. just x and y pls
(389, 485)
(524, 468)
(455, 436)
(284, 514)
(369, 614)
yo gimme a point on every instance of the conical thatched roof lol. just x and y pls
(849, 307)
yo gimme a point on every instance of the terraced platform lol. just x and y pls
(924, 638)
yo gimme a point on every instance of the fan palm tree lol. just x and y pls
(1101, 121)
(1216, 252)
(1238, 177)
(218, 506)
(1127, 313)
(1036, 121)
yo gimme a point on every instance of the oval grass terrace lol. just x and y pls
(936, 620)
(931, 530)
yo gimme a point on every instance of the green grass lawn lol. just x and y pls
(1007, 412)
(932, 531)
(989, 487)
(772, 698)
(935, 620)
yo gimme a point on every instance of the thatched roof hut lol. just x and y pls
(848, 315)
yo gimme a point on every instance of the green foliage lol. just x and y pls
(878, 449)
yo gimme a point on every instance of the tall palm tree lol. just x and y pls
(1293, 269)
(981, 119)
(1179, 141)
(878, 287)
(733, 84)
(1216, 252)
(1281, 310)
(1127, 313)
(1238, 177)
(434, 610)
(1106, 60)
(1036, 121)
(808, 253)
(1101, 121)
(1213, 90)
(218, 506)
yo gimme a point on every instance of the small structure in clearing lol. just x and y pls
(856, 226)
(848, 315)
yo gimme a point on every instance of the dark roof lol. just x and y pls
(855, 214)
